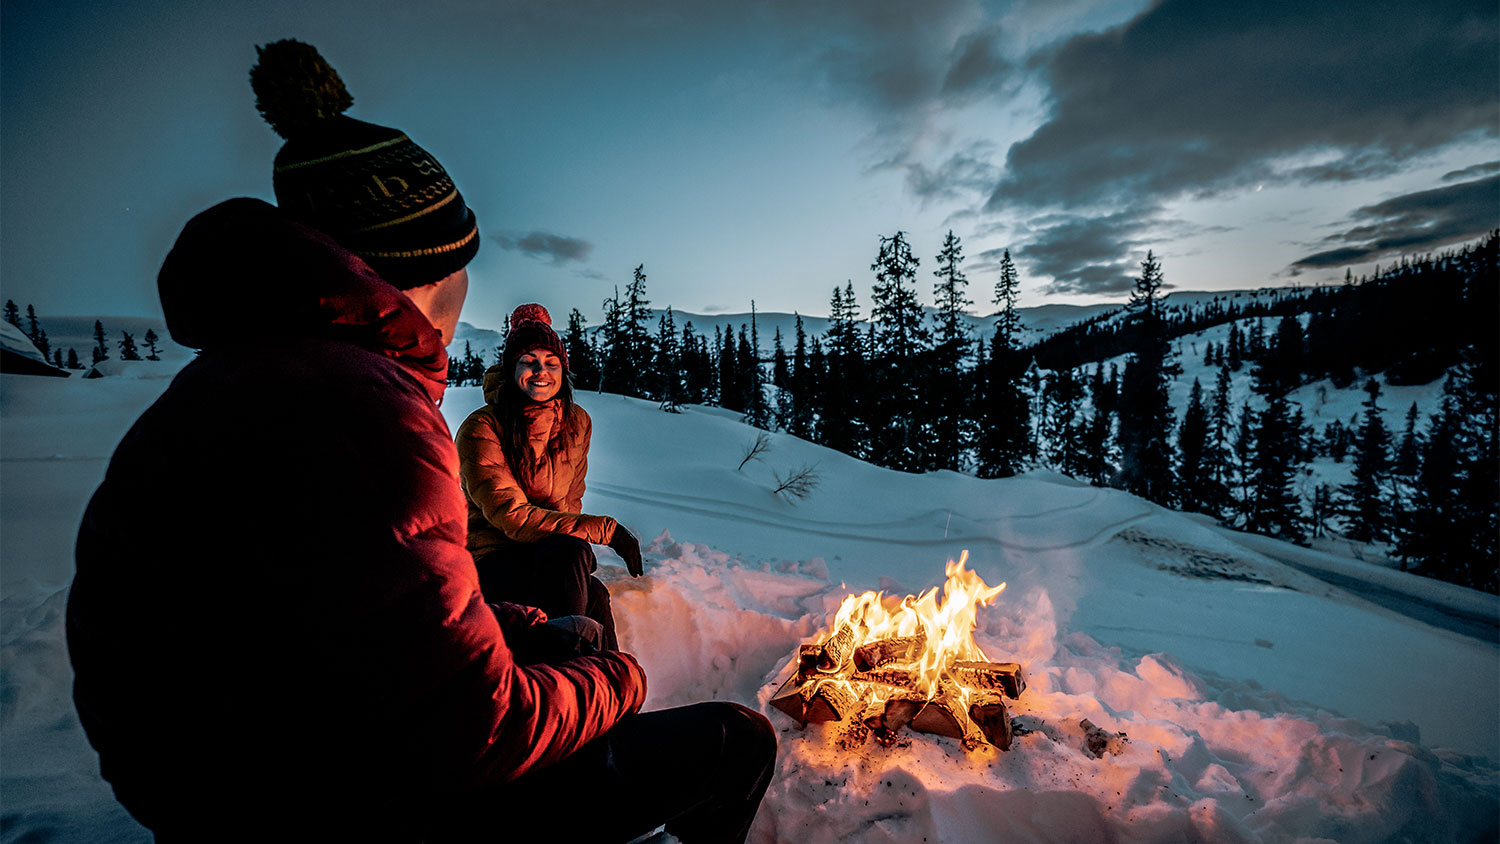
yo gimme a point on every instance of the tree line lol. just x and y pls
(128, 348)
(918, 394)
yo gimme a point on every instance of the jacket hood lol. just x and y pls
(243, 271)
(494, 378)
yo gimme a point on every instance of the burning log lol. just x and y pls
(989, 715)
(885, 651)
(792, 698)
(896, 678)
(993, 676)
(832, 702)
(832, 654)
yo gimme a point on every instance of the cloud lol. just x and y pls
(1413, 223)
(968, 171)
(1470, 172)
(556, 249)
(1197, 97)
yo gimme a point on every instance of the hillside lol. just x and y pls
(1261, 704)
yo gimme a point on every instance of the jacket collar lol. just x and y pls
(244, 271)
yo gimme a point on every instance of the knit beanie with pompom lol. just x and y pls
(531, 328)
(368, 187)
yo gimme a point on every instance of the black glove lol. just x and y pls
(628, 547)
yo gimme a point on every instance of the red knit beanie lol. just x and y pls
(531, 328)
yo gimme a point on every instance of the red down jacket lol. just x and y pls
(275, 627)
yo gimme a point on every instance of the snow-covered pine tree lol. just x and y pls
(950, 410)
(1146, 418)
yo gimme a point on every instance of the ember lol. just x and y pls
(886, 664)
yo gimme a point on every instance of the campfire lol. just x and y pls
(887, 663)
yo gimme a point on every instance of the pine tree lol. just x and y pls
(151, 341)
(1274, 509)
(757, 409)
(1145, 402)
(101, 348)
(640, 356)
(1193, 470)
(669, 387)
(1216, 454)
(799, 418)
(12, 313)
(950, 410)
(37, 335)
(128, 350)
(581, 362)
(73, 359)
(899, 342)
(57, 358)
(1362, 501)
(1005, 441)
(615, 350)
(697, 367)
(841, 426)
(1097, 465)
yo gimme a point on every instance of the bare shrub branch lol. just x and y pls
(754, 451)
(799, 483)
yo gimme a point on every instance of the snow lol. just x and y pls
(1260, 702)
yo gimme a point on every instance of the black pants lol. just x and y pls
(701, 770)
(554, 575)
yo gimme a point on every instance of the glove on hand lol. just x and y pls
(628, 547)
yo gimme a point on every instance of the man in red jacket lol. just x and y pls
(276, 630)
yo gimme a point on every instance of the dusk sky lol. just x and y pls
(756, 150)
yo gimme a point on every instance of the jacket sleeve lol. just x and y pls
(482, 719)
(490, 484)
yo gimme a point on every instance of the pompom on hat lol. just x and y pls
(531, 328)
(369, 187)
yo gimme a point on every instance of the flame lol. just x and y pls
(946, 625)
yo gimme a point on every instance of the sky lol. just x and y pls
(758, 150)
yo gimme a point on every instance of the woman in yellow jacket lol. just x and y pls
(523, 457)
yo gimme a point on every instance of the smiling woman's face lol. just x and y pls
(539, 374)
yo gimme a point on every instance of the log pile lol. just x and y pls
(879, 684)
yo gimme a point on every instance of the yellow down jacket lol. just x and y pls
(502, 509)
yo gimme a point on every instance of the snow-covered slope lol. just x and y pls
(1261, 703)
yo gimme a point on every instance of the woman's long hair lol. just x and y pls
(510, 411)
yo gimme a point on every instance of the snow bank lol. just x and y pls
(1204, 759)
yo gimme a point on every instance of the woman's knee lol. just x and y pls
(569, 549)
